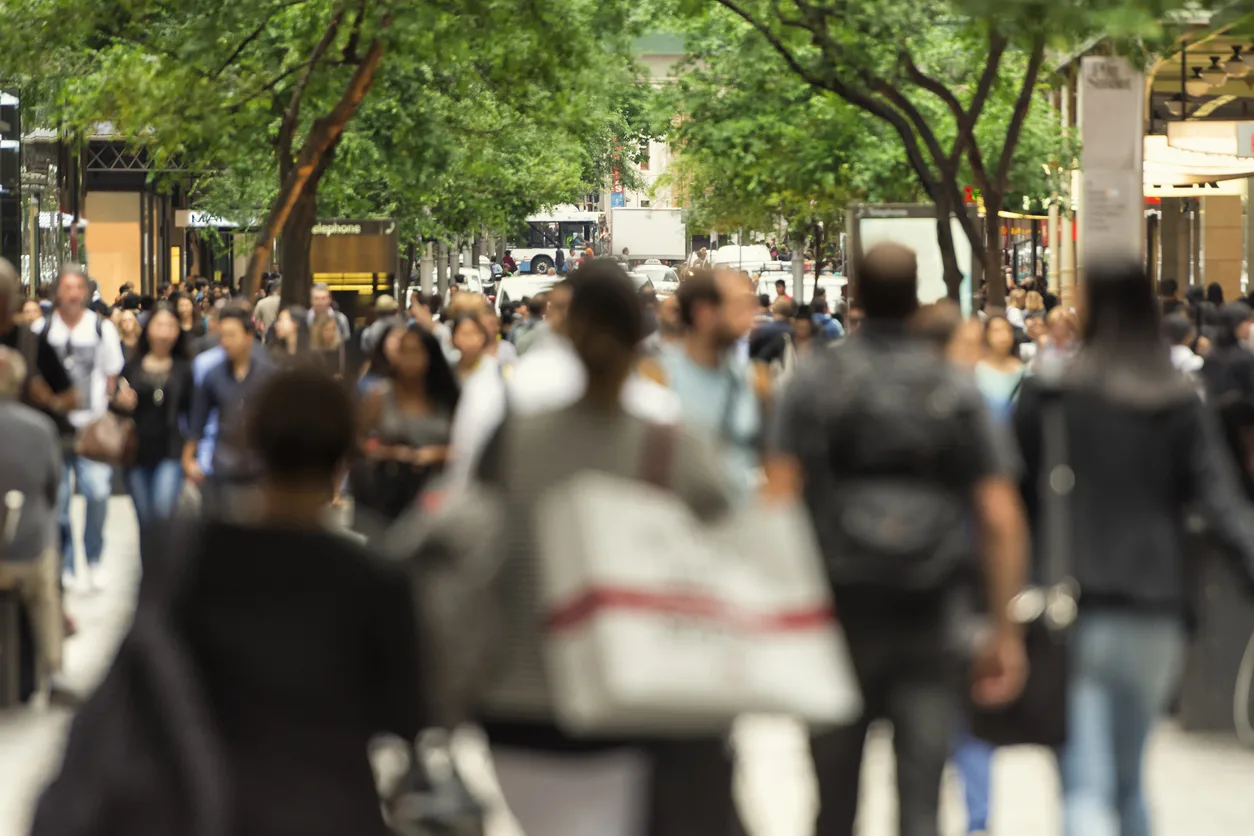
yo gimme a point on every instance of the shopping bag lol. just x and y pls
(657, 624)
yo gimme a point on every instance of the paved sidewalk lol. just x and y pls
(1198, 786)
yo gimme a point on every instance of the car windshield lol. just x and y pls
(659, 273)
(641, 281)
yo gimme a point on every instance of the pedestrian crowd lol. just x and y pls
(994, 507)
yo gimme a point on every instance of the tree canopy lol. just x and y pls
(452, 115)
(955, 81)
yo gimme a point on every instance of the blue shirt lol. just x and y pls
(722, 401)
(201, 366)
(222, 392)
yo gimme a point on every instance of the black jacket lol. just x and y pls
(242, 699)
(1138, 472)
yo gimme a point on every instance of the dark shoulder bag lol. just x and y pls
(1047, 612)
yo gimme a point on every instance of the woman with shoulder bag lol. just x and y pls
(556, 782)
(1120, 441)
(155, 390)
(404, 427)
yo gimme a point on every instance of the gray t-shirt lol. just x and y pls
(30, 462)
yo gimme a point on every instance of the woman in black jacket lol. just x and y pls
(155, 390)
(1141, 447)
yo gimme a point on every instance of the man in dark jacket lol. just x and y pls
(1229, 369)
(882, 432)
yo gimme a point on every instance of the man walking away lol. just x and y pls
(30, 465)
(896, 456)
(91, 351)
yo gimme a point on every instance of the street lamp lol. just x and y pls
(1197, 85)
(1214, 74)
(1237, 66)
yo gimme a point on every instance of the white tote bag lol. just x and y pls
(657, 624)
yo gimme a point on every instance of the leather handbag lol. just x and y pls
(110, 439)
(1047, 612)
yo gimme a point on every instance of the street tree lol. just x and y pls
(934, 71)
(756, 145)
(269, 90)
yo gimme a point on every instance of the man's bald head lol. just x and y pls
(888, 282)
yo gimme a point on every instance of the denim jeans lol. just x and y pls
(973, 758)
(94, 481)
(155, 490)
(1124, 665)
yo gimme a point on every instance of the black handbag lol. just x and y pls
(1039, 715)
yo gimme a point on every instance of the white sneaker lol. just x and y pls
(69, 581)
(96, 578)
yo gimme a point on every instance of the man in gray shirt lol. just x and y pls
(30, 474)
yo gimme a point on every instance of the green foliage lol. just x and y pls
(482, 110)
(755, 143)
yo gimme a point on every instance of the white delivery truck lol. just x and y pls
(649, 233)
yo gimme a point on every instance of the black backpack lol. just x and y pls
(888, 467)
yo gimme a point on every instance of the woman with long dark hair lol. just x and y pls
(289, 338)
(1140, 446)
(190, 320)
(155, 389)
(404, 427)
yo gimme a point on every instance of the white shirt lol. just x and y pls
(90, 361)
(548, 377)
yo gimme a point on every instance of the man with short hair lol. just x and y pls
(882, 432)
(769, 342)
(48, 387)
(713, 383)
(224, 391)
(266, 310)
(525, 333)
(30, 465)
(320, 304)
(91, 351)
(781, 289)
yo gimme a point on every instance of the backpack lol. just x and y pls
(891, 497)
(143, 755)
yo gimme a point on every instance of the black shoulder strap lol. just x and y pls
(28, 347)
(1056, 482)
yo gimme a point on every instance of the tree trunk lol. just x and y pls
(994, 277)
(945, 239)
(820, 241)
(322, 138)
(294, 246)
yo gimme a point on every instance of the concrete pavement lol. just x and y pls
(1198, 786)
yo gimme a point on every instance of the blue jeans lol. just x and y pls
(155, 490)
(94, 481)
(1124, 665)
(973, 759)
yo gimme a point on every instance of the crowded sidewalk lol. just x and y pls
(1198, 785)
